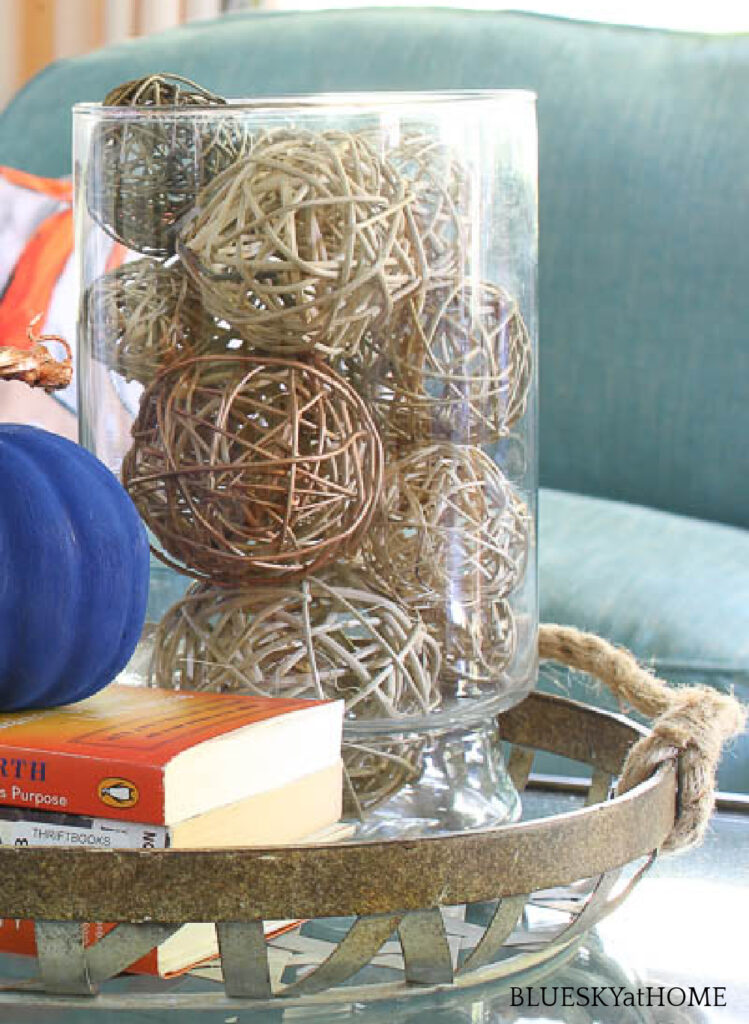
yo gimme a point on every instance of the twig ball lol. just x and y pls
(145, 173)
(144, 314)
(161, 90)
(306, 243)
(449, 529)
(378, 768)
(477, 645)
(329, 636)
(441, 207)
(458, 368)
(250, 468)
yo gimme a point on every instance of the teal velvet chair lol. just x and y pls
(644, 284)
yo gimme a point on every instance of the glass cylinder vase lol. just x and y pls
(308, 348)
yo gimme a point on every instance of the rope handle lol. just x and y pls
(690, 723)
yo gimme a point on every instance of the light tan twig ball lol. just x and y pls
(377, 768)
(458, 368)
(330, 636)
(449, 529)
(306, 243)
(477, 644)
(161, 90)
(441, 188)
(145, 314)
(250, 468)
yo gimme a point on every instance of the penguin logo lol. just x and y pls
(118, 793)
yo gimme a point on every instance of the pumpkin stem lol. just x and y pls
(36, 366)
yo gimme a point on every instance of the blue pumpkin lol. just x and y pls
(73, 571)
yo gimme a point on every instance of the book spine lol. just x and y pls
(44, 780)
(19, 827)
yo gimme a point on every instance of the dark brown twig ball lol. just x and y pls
(253, 468)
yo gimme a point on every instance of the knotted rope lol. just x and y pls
(691, 723)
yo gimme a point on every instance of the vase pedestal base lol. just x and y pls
(463, 785)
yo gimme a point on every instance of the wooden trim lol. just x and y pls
(196, 10)
(79, 26)
(158, 15)
(136, 15)
(37, 36)
(10, 55)
(98, 23)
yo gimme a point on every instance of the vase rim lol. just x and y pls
(387, 100)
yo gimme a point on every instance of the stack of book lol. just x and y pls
(149, 769)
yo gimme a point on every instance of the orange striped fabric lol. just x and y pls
(55, 188)
(35, 277)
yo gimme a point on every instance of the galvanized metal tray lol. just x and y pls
(451, 910)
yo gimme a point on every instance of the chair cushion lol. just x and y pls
(674, 590)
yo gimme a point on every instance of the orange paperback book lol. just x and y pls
(184, 769)
(161, 756)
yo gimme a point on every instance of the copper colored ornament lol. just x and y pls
(449, 530)
(249, 468)
(145, 314)
(458, 368)
(34, 364)
(146, 170)
(306, 243)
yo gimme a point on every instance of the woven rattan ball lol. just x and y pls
(442, 201)
(328, 636)
(458, 368)
(144, 314)
(161, 90)
(146, 171)
(477, 644)
(253, 468)
(306, 243)
(449, 529)
(378, 768)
